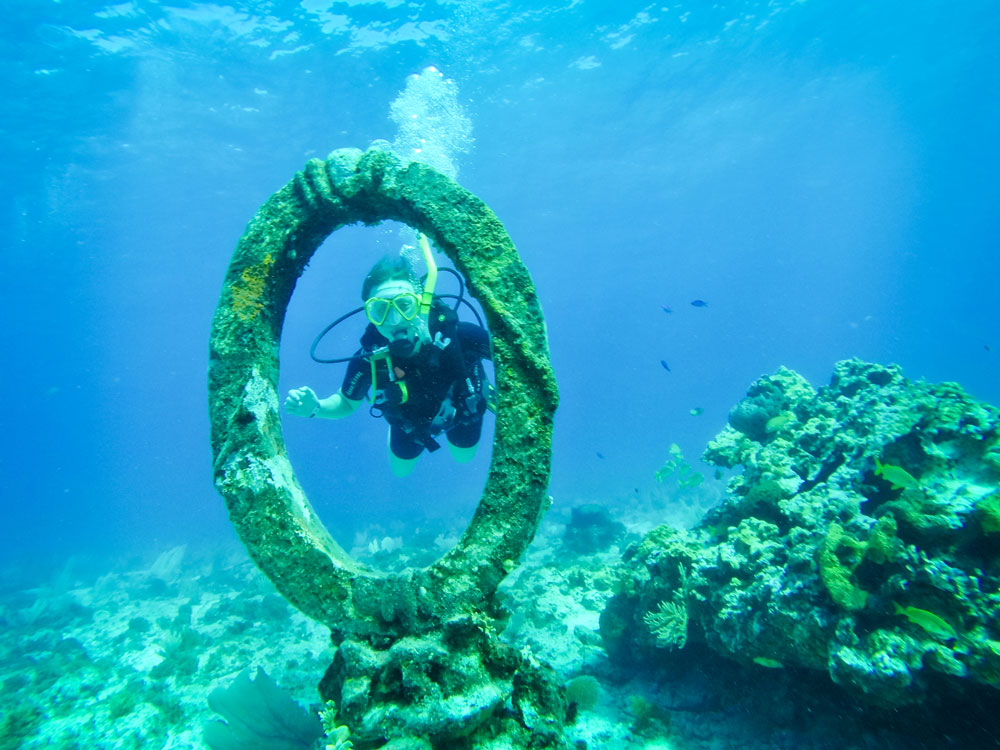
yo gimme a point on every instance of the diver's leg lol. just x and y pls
(463, 439)
(462, 455)
(403, 453)
(401, 467)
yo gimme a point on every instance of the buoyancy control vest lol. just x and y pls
(415, 393)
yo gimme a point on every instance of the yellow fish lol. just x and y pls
(766, 662)
(929, 621)
(774, 424)
(897, 476)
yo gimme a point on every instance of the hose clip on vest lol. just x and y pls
(473, 399)
(440, 341)
(444, 418)
(377, 355)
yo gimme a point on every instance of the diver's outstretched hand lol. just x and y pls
(302, 402)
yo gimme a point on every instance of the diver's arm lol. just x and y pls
(336, 406)
(303, 402)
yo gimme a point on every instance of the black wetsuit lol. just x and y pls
(434, 376)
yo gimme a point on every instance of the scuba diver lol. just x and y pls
(425, 366)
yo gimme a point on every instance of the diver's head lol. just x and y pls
(391, 292)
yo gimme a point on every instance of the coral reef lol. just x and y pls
(860, 539)
(81, 673)
(337, 735)
(128, 661)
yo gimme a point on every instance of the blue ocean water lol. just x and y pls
(822, 174)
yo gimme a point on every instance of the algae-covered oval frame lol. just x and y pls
(267, 506)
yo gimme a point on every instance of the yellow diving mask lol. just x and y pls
(407, 304)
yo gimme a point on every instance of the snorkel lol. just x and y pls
(432, 276)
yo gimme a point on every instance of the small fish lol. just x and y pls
(696, 411)
(929, 621)
(766, 662)
(665, 365)
(699, 303)
(600, 455)
(666, 309)
(897, 476)
(692, 480)
(774, 424)
(987, 347)
(718, 474)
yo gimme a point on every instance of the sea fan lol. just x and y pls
(259, 716)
